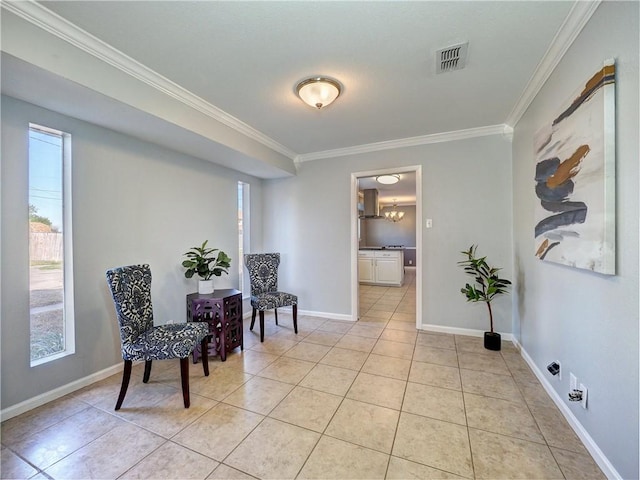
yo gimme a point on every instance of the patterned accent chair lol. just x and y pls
(131, 291)
(263, 276)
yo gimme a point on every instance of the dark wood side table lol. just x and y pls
(222, 310)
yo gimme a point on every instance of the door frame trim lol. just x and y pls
(354, 236)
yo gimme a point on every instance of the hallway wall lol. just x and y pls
(133, 202)
(466, 188)
(587, 321)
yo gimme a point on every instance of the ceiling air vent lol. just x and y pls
(451, 58)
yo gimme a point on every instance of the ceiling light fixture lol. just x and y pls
(318, 92)
(394, 215)
(388, 179)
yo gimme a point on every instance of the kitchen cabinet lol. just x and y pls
(381, 267)
(365, 266)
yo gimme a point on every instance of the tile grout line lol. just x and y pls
(466, 418)
(404, 394)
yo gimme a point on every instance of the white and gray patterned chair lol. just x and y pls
(131, 291)
(263, 276)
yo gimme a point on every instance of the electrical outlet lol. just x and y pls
(573, 382)
(583, 402)
(555, 369)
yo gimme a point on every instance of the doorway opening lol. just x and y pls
(386, 247)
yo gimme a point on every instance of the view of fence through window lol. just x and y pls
(46, 242)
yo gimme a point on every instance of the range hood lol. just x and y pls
(371, 206)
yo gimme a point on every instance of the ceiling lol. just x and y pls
(243, 59)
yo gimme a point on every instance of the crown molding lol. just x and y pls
(49, 21)
(502, 129)
(54, 24)
(577, 18)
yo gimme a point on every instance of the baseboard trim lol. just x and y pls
(603, 462)
(470, 332)
(311, 313)
(56, 393)
(331, 316)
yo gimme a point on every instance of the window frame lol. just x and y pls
(244, 234)
(68, 304)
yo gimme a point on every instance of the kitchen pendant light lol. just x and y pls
(318, 92)
(394, 215)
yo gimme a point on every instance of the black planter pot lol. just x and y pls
(492, 341)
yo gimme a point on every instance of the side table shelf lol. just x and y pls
(222, 310)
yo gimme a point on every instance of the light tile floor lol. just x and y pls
(374, 399)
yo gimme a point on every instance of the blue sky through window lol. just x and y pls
(45, 175)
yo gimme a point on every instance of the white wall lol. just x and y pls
(466, 191)
(133, 202)
(587, 321)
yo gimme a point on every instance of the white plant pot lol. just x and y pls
(205, 286)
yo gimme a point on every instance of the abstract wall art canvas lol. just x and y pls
(575, 179)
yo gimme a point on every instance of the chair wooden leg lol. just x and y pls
(253, 319)
(126, 376)
(195, 354)
(184, 376)
(147, 371)
(262, 325)
(295, 319)
(275, 310)
(204, 348)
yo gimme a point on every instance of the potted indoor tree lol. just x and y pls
(487, 285)
(205, 263)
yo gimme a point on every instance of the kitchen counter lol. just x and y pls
(381, 266)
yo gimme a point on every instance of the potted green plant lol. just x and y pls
(487, 285)
(205, 262)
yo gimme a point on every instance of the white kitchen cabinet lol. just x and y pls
(365, 267)
(381, 267)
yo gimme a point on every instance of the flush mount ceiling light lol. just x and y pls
(388, 179)
(318, 92)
